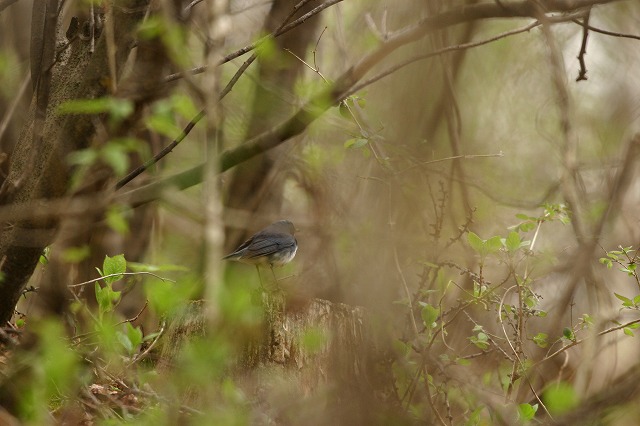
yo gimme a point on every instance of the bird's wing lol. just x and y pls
(267, 244)
(238, 251)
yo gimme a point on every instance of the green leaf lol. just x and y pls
(116, 107)
(527, 226)
(76, 254)
(540, 339)
(493, 244)
(512, 242)
(120, 108)
(522, 216)
(114, 265)
(474, 418)
(607, 262)
(355, 143)
(44, 257)
(625, 300)
(429, 315)
(628, 331)
(527, 411)
(184, 106)
(116, 158)
(462, 361)
(116, 220)
(131, 338)
(475, 242)
(57, 364)
(568, 333)
(344, 109)
(164, 125)
(151, 28)
(85, 106)
(484, 247)
(560, 398)
(83, 157)
(125, 341)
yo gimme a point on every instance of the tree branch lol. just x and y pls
(341, 87)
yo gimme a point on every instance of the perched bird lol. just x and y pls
(275, 245)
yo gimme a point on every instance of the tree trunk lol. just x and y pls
(39, 168)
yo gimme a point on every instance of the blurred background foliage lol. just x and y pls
(447, 199)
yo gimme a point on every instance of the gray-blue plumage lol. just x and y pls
(275, 245)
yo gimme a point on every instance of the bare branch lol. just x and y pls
(343, 86)
(582, 74)
(281, 30)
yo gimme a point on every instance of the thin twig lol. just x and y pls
(143, 354)
(248, 48)
(140, 169)
(609, 33)
(406, 290)
(455, 157)
(135, 318)
(342, 88)
(582, 74)
(166, 150)
(447, 49)
(119, 274)
(579, 341)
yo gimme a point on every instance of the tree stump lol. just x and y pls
(315, 365)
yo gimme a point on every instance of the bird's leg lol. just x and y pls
(259, 277)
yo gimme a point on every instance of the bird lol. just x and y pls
(275, 245)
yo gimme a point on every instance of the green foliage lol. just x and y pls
(429, 315)
(44, 257)
(560, 398)
(117, 109)
(626, 257)
(165, 297)
(541, 339)
(112, 268)
(514, 300)
(267, 49)
(117, 218)
(551, 212)
(527, 412)
(484, 247)
(53, 371)
(115, 154)
(76, 254)
(130, 337)
(173, 37)
(55, 377)
(568, 334)
(480, 339)
(107, 298)
(356, 143)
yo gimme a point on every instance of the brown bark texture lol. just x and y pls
(343, 379)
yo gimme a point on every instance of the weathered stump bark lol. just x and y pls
(316, 365)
